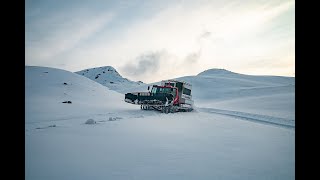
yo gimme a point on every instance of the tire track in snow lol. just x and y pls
(288, 123)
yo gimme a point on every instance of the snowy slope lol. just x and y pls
(128, 143)
(216, 84)
(109, 77)
(222, 89)
(47, 88)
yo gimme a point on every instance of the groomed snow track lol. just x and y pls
(287, 123)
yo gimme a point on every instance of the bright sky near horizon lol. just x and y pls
(153, 40)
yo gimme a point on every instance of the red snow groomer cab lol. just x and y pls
(169, 97)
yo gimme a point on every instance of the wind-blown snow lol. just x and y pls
(242, 128)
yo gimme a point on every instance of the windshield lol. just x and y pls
(154, 90)
(162, 90)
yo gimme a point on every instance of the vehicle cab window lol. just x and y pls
(173, 92)
(154, 90)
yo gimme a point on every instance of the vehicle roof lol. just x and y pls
(175, 80)
(164, 86)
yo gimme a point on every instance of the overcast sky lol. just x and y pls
(153, 40)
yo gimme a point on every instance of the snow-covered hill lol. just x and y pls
(99, 136)
(47, 89)
(222, 89)
(109, 77)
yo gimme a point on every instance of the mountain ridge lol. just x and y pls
(108, 76)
